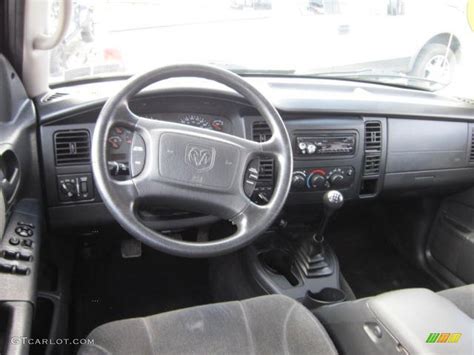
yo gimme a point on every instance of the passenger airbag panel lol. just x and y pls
(417, 145)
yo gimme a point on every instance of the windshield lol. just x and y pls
(417, 43)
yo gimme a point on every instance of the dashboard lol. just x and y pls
(362, 139)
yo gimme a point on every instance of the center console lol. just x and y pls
(302, 266)
(331, 158)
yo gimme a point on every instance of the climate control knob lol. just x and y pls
(336, 180)
(317, 181)
(298, 180)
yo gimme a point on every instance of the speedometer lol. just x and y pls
(196, 121)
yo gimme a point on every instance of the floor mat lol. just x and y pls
(370, 264)
(108, 287)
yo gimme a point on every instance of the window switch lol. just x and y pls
(27, 243)
(25, 257)
(26, 224)
(9, 255)
(21, 270)
(5, 268)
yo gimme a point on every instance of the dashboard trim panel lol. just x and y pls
(307, 106)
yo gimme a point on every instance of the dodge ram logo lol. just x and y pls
(199, 157)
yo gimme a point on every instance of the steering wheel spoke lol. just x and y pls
(248, 218)
(126, 191)
(123, 116)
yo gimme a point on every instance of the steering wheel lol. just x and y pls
(201, 170)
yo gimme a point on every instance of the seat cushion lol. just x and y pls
(462, 297)
(263, 325)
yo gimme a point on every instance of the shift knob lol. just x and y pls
(332, 201)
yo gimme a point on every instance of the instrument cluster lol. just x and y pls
(119, 141)
(206, 121)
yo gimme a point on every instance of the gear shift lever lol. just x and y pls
(332, 201)
(311, 257)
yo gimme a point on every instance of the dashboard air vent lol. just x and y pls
(261, 131)
(373, 136)
(266, 170)
(372, 165)
(373, 147)
(471, 156)
(72, 147)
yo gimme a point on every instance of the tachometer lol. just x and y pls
(196, 121)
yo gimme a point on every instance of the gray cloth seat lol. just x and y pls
(462, 297)
(263, 325)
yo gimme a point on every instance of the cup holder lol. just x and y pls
(324, 297)
(279, 261)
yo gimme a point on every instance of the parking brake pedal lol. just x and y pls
(131, 248)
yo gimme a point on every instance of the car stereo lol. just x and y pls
(326, 144)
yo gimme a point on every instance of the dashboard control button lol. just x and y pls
(27, 243)
(20, 270)
(336, 180)
(298, 181)
(317, 181)
(75, 187)
(137, 155)
(25, 257)
(311, 148)
(302, 147)
(25, 224)
(251, 177)
(68, 189)
(24, 231)
(118, 169)
(5, 268)
(10, 255)
(320, 179)
(14, 241)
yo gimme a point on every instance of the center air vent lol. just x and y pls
(72, 147)
(373, 147)
(373, 136)
(261, 132)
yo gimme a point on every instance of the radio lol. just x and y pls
(330, 144)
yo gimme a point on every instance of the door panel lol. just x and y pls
(20, 211)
